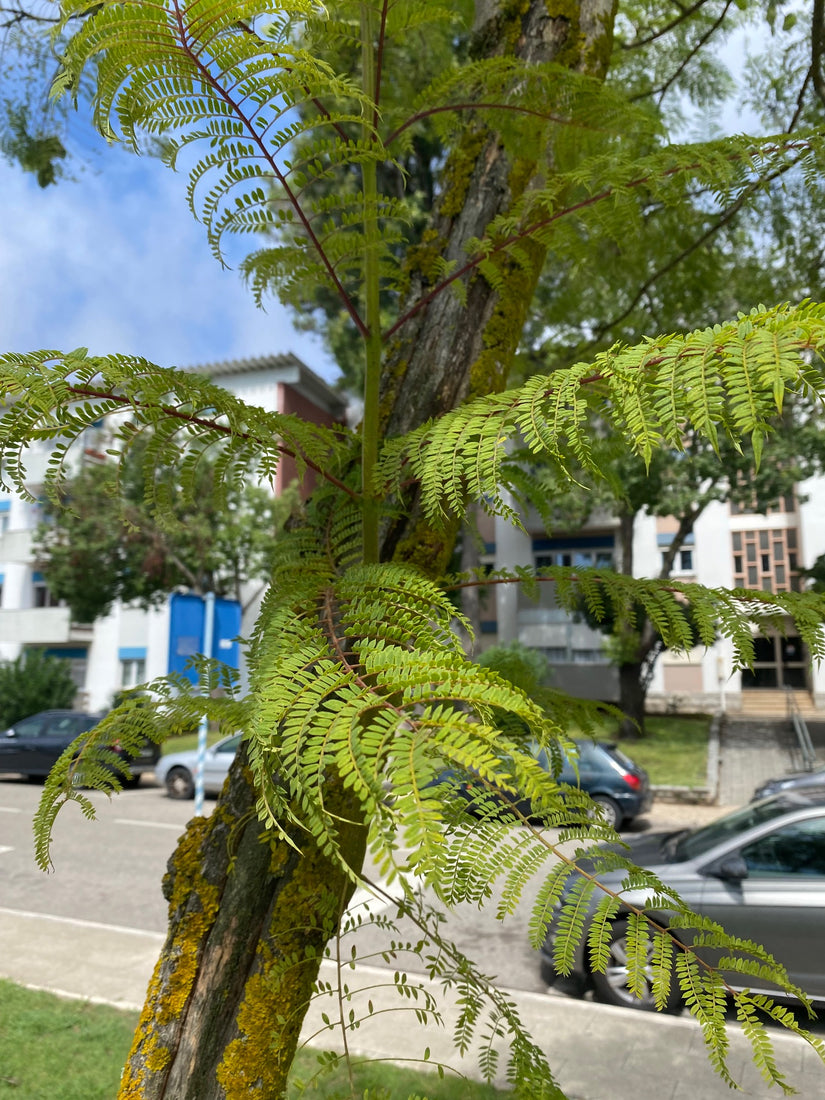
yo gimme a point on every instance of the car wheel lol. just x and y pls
(548, 972)
(612, 987)
(179, 783)
(611, 811)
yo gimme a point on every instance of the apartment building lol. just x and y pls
(729, 547)
(131, 645)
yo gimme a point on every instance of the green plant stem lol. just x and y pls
(372, 344)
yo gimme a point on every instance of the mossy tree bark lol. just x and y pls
(242, 906)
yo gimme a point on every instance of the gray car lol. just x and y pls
(759, 872)
(177, 770)
(793, 781)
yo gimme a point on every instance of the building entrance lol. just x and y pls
(779, 663)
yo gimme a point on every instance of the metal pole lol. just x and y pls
(208, 636)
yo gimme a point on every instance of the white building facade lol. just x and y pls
(131, 645)
(728, 548)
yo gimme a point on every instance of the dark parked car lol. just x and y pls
(612, 780)
(619, 786)
(32, 745)
(759, 872)
(793, 782)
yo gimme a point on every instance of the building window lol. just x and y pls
(574, 558)
(784, 506)
(41, 596)
(683, 562)
(683, 558)
(132, 665)
(132, 672)
(766, 560)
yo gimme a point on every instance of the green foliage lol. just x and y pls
(729, 381)
(101, 541)
(172, 419)
(33, 682)
(525, 668)
(38, 152)
(358, 679)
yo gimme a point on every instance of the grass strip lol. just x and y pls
(53, 1048)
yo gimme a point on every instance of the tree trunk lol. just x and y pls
(632, 696)
(223, 1011)
(635, 675)
(249, 916)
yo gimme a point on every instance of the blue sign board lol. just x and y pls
(187, 620)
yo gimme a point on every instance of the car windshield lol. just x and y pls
(693, 844)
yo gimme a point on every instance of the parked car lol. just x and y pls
(793, 782)
(177, 770)
(759, 872)
(32, 745)
(618, 785)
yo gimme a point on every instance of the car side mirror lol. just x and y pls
(11, 733)
(730, 869)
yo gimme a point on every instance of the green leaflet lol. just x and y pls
(732, 379)
(56, 397)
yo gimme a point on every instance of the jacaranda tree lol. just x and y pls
(361, 692)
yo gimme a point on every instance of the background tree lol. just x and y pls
(358, 679)
(102, 541)
(33, 682)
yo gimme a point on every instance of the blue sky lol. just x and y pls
(115, 262)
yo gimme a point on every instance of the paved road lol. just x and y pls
(93, 927)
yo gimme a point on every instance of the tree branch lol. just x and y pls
(817, 46)
(685, 13)
(216, 426)
(674, 262)
(686, 60)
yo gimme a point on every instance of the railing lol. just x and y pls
(801, 730)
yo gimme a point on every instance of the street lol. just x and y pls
(92, 928)
(109, 871)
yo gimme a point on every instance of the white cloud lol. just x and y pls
(115, 262)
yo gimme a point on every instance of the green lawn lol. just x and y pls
(674, 750)
(186, 741)
(55, 1049)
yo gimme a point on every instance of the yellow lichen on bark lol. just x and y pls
(193, 903)
(277, 992)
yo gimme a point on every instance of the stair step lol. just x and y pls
(774, 704)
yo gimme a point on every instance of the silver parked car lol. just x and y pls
(177, 770)
(793, 781)
(759, 872)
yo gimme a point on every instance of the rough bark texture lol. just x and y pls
(249, 916)
(452, 350)
(209, 1029)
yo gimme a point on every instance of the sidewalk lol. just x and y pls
(596, 1052)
